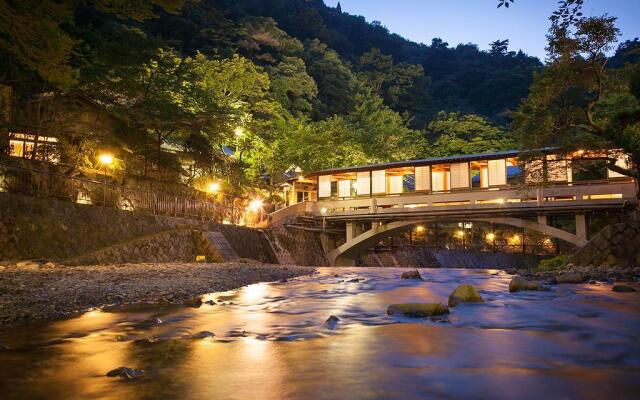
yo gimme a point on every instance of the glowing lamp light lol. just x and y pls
(580, 152)
(105, 159)
(500, 201)
(323, 210)
(214, 187)
(419, 228)
(255, 205)
(490, 237)
(460, 233)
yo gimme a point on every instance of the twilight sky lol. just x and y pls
(525, 23)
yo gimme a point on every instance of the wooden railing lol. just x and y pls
(42, 183)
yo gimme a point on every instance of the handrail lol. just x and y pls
(502, 188)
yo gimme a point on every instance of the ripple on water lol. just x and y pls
(272, 341)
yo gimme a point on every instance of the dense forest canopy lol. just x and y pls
(282, 84)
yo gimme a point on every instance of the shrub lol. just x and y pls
(552, 264)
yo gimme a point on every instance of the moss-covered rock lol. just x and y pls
(414, 274)
(623, 289)
(464, 294)
(571, 277)
(418, 310)
(518, 283)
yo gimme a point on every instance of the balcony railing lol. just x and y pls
(34, 182)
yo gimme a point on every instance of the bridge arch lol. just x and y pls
(346, 254)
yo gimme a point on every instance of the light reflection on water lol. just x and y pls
(575, 341)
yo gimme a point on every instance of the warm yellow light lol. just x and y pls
(419, 228)
(500, 201)
(214, 187)
(580, 152)
(255, 205)
(515, 240)
(323, 210)
(460, 233)
(238, 131)
(105, 159)
(491, 237)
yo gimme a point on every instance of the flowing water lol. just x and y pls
(272, 342)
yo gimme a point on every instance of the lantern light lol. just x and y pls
(255, 205)
(105, 158)
(214, 187)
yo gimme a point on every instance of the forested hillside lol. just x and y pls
(280, 83)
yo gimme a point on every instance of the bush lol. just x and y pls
(551, 264)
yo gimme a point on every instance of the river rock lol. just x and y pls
(571, 277)
(464, 294)
(203, 335)
(194, 302)
(623, 288)
(519, 283)
(418, 310)
(332, 322)
(411, 275)
(126, 373)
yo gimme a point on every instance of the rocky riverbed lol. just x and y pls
(42, 290)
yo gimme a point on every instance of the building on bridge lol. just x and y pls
(356, 207)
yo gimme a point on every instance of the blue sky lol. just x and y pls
(525, 23)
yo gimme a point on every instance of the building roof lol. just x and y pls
(422, 162)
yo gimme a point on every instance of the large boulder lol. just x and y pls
(518, 283)
(411, 275)
(418, 310)
(464, 294)
(571, 277)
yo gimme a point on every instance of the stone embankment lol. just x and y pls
(32, 290)
(617, 245)
(612, 255)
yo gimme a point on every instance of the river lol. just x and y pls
(272, 342)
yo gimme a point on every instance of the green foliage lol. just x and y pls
(453, 133)
(576, 102)
(552, 264)
(292, 86)
(33, 36)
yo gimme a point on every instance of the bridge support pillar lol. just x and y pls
(350, 231)
(581, 227)
(542, 219)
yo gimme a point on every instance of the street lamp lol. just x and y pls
(214, 187)
(255, 205)
(106, 160)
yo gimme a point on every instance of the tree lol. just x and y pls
(576, 102)
(339, 8)
(451, 133)
(32, 33)
(292, 86)
(499, 47)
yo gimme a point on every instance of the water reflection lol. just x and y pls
(271, 342)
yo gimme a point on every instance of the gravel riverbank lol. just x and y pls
(31, 291)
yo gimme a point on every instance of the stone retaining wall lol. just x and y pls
(170, 246)
(615, 245)
(296, 246)
(38, 228)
